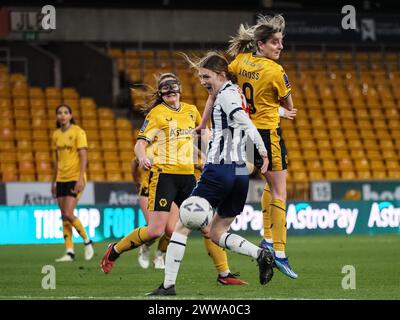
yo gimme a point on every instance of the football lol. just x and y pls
(195, 213)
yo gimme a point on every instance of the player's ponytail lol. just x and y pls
(213, 61)
(247, 37)
(242, 42)
(72, 121)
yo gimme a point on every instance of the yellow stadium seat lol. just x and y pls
(367, 134)
(115, 176)
(316, 175)
(355, 144)
(320, 134)
(9, 176)
(345, 164)
(105, 113)
(112, 167)
(53, 103)
(107, 124)
(309, 155)
(23, 134)
(8, 157)
(96, 176)
(26, 167)
(324, 144)
(348, 175)
(42, 155)
(296, 165)
(88, 124)
(6, 134)
(125, 145)
(94, 156)
(53, 93)
(73, 104)
(36, 92)
(41, 146)
(40, 135)
(110, 156)
(392, 165)
(373, 154)
(364, 174)
(357, 154)
(25, 156)
(126, 156)
(107, 135)
(379, 174)
(331, 174)
(370, 144)
(108, 145)
(21, 103)
(24, 145)
(70, 93)
(44, 167)
(386, 144)
(388, 154)
(96, 166)
(5, 103)
(7, 146)
(38, 123)
(308, 144)
(45, 177)
(329, 165)
(94, 145)
(27, 177)
(361, 164)
(394, 174)
(300, 176)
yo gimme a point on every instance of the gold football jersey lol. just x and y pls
(264, 84)
(171, 132)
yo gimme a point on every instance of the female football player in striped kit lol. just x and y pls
(224, 181)
(168, 124)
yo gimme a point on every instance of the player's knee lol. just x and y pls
(215, 235)
(155, 232)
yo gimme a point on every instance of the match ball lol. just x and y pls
(196, 213)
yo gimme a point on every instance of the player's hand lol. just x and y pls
(54, 189)
(144, 163)
(197, 130)
(264, 167)
(79, 186)
(290, 114)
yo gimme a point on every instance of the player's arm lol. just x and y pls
(231, 104)
(80, 184)
(206, 114)
(135, 172)
(140, 152)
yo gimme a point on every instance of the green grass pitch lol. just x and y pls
(317, 259)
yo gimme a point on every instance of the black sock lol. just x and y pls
(113, 255)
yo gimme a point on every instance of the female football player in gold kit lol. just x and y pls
(70, 144)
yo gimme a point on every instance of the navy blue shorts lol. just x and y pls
(225, 186)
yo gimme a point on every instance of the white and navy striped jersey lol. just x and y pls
(230, 127)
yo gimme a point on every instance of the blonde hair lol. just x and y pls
(153, 98)
(247, 37)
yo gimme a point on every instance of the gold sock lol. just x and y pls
(278, 227)
(163, 243)
(67, 231)
(133, 240)
(265, 203)
(217, 253)
(81, 230)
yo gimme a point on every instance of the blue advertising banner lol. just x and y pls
(42, 224)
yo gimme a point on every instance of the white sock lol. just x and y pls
(70, 251)
(173, 258)
(160, 253)
(280, 254)
(225, 273)
(269, 240)
(238, 244)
